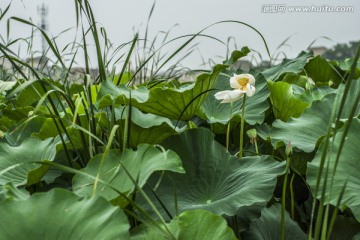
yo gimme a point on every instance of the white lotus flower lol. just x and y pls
(242, 84)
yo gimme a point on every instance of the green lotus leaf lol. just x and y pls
(347, 170)
(30, 92)
(214, 180)
(110, 94)
(345, 65)
(236, 55)
(29, 95)
(125, 78)
(296, 79)
(174, 103)
(305, 132)
(23, 129)
(16, 122)
(285, 104)
(202, 225)
(193, 224)
(216, 112)
(17, 114)
(48, 129)
(287, 66)
(144, 232)
(321, 71)
(60, 214)
(17, 163)
(6, 86)
(6, 123)
(317, 93)
(268, 226)
(110, 169)
(50, 126)
(350, 99)
(144, 127)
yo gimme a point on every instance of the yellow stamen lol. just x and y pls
(243, 82)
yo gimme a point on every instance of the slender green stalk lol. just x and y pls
(242, 127)
(334, 215)
(283, 198)
(229, 128)
(327, 143)
(228, 136)
(292, 212)
(320, 173)
(256, 147)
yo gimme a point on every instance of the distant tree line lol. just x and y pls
(342, 50)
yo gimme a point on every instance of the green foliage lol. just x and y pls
(214, 180)
(345, 172)
(115, 168)
(175, 103)
(80, 218)
(284, 102)
(139, 149)
(267, 227)
(287, 66)
(5, 86)
(208, 226)
(321, 71)
(305, 131)
(18, 164)
(144, 127)
(345, 65)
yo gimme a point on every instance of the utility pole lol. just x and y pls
(43, 12)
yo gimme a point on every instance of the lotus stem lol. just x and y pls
(228, 136)
(283, 198)
(256, 147)
(292, 196)
(242, 127)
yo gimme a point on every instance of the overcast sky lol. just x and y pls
(122, 18)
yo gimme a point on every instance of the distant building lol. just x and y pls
(188, 77)
(5, 64)
(6, 70)
(77, 74)
(39, 63)
(44, 67)
(318, 51)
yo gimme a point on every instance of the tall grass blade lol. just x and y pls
(327, 138)
(334, 215)
(127, 58)
(3, 13)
